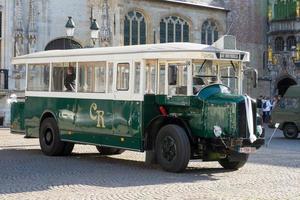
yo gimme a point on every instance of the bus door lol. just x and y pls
(126, 106)
(122, 103)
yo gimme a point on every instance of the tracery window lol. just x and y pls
(174, 29)
(209, 32)
(134, 28)
(279, 44)
(290, 42)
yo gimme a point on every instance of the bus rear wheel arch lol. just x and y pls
(172, 148)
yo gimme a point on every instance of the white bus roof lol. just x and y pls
(149, 51)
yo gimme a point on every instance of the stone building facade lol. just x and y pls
(36, 25)
(283, 44)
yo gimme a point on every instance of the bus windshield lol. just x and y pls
(207, 72)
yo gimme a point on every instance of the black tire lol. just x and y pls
(109, 150)
(234, 165)
(172, 148)
(49, 138)
(68, 148)
(290, 131)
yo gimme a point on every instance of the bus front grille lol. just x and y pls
(243, 131)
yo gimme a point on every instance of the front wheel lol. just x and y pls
(172, 148)
(226, 163)
(290, 131)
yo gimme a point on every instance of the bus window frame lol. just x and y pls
(189, 85)
(122, 94)
(76, 76)
(140, 93)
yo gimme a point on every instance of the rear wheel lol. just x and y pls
(49, 138)
(172, 148)
(109, 150)
(290, 131)
(226, 163)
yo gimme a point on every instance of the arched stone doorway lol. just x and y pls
(63, 43)
(284, 82)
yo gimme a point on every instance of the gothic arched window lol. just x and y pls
(134, 28)
(290, 42)
(279, 44)
(174, 29)
(209, 32)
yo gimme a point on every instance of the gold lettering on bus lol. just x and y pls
(97, 115)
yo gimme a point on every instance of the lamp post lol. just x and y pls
(94, 31)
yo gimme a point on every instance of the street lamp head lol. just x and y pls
(94, 30)
(70, 27)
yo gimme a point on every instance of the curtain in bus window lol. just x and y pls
(137, 77)
(38, 77)
(85, 83)
(123, 76)
(162, 75)
(100, 77)
(110, 77)
(151, 66)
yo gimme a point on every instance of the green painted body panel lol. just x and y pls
(202, 116)
(120, 125)
(17, 117)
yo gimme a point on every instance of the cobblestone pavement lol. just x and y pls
(25, 173)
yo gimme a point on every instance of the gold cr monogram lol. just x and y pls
(97, 115)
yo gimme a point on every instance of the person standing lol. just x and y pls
(266, 108)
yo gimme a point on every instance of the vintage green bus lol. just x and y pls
(176, 101)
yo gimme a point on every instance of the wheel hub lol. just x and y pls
(48, 137)
(169, 148)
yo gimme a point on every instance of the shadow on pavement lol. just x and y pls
(29, 170)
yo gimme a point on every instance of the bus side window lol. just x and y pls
(38, 77)
(177, 79)
(63, 77)
(100, 77)
(92, 77)
(123, 76)
(85, 80)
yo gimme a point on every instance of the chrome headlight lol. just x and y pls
(259, 130)
(217, 131)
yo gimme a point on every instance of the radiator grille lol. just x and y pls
(243, 131)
